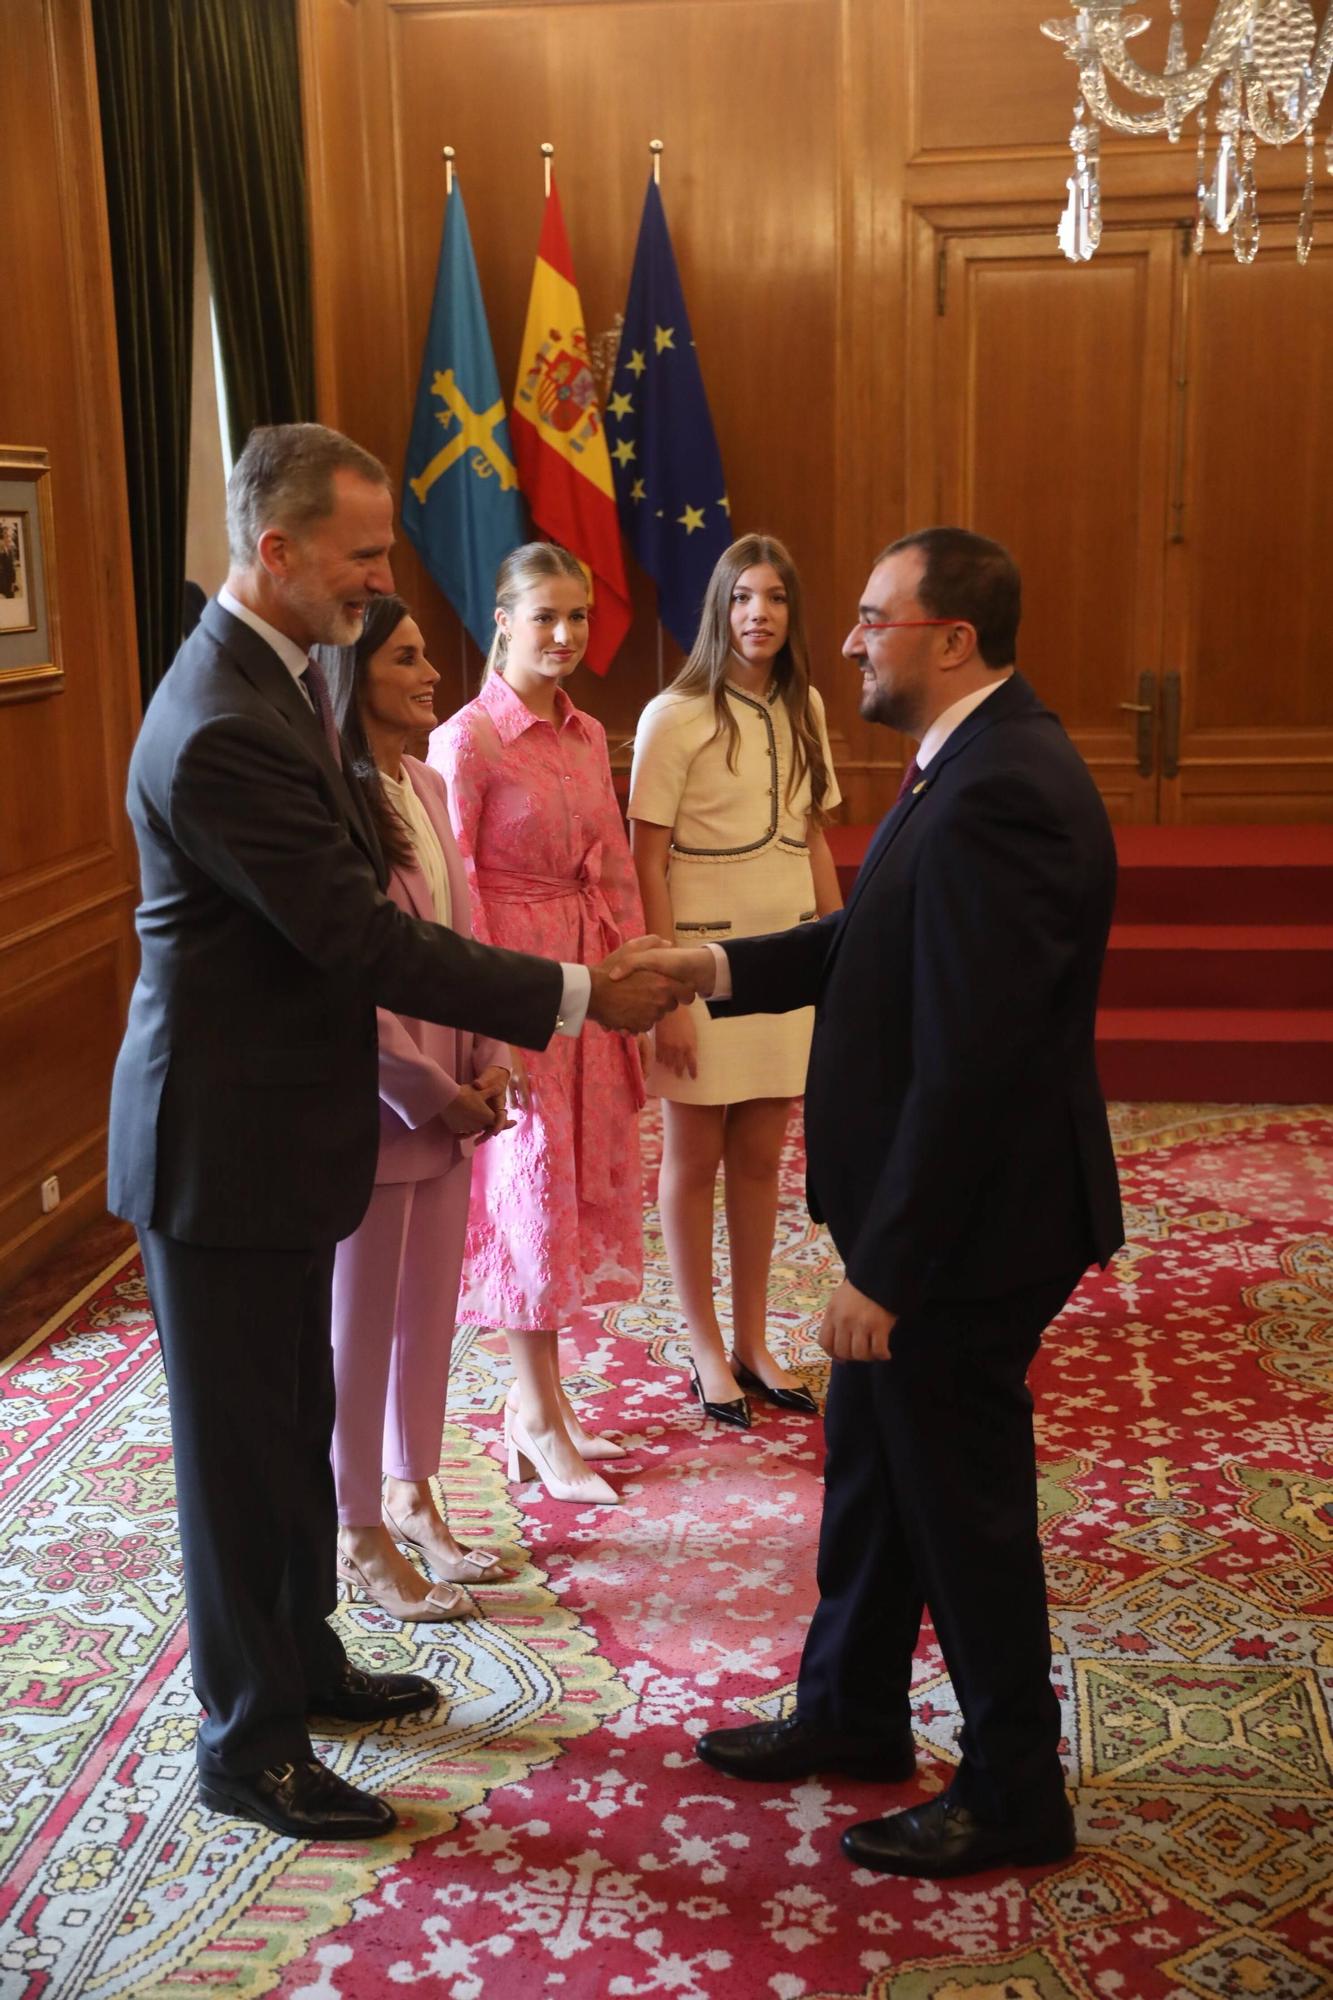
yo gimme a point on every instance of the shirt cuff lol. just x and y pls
(721, 974)
(574, 1000)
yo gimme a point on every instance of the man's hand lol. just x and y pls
(631, 995)
(693, 965)
(855, 1328)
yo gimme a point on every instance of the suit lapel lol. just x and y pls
(269, 677)
(1013, 697)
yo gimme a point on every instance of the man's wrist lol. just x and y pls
(721, 986)
(574, 998)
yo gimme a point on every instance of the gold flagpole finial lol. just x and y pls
(449, 156)
(655, 147)
(548, 154)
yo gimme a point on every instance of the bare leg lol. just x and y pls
(409, 1504)
(371, 1560)
(752, 1150)
(692, 1138)
(540, 1418)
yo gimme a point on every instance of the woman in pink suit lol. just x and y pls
(557, 1208)
(442, 1091)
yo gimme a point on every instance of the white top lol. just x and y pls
(402, 796)
(680, 777)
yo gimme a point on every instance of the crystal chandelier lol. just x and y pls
(1273, 66)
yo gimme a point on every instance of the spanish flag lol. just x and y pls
(559, 443)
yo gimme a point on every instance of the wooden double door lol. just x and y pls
(1152, 435)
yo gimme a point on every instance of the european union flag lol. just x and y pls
(462, 510)
(668, 470)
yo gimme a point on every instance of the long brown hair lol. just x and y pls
(705, 671)
(523, 567)
(345, 669)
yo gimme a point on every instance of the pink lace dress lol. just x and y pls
(556, 1221)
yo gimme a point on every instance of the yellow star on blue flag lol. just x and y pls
(659, 410)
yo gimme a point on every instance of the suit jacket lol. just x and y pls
(244, 1107)
(956, 1134)
(423, 1065)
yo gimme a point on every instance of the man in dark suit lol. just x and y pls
(958, 1149)
(245, 1111)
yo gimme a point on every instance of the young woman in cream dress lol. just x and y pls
(731, 783)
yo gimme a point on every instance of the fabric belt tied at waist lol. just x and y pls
(603, 1053)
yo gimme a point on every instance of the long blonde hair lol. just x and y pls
(521, 569)
(705, 671)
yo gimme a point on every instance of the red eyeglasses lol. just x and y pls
(896, 624)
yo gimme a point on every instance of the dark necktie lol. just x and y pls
(911, 776)
(321, 701)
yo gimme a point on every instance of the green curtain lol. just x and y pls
(246, 93)
(146, 151)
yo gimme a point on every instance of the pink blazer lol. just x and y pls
(423, 1065)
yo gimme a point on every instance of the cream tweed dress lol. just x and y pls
(739, 867)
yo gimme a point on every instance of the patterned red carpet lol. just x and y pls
(559, 1838)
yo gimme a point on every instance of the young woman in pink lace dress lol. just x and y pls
(556, 1224)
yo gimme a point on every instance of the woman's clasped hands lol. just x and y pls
(478, 1111)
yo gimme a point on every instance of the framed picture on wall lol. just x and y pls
(30, 661)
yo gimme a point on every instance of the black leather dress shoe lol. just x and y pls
(782, 1399)
(735, 1412)
(306, 1801)
(944, 1838)
(356, 1696)
(796, 1749)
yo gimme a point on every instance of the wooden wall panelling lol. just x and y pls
(779, 213)
(1050, 432)
(66, 858)
(822, 157)
(1249, 630)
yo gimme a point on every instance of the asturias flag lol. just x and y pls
(462, 510)
(668, 469)
(559, 441)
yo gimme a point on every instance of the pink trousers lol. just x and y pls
(395, 1296)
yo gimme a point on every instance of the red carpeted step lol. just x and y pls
(1225, 874)
(1219, 965)
(1220, 1055)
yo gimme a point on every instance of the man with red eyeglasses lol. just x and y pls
(958, 1150)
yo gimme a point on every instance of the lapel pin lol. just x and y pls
(917, 789)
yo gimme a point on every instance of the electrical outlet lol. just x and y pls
(50, 1195)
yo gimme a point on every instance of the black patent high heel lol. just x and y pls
(782, 1399)
(736, 1412)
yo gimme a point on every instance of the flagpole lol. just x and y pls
(548, 154)
(655, 147)
(661, 667)
(448, 171)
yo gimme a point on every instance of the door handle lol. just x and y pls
(1146, 710)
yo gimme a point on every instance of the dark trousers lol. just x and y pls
(245, 1338)
(931, 1500)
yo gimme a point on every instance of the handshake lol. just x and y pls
(645, 979)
